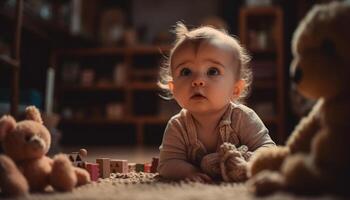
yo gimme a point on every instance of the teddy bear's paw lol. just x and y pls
(12, 182)
(265, 183)
(82, 175)
(267, 159)
(63, 176)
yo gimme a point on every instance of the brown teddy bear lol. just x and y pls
(24, 167)
(316, 158)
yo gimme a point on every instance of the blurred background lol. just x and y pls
(91, 66)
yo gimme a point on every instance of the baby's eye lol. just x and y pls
(185, 72)
(213, 71)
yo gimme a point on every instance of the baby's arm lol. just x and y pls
(182, 170)
(173, 163)
(253, 132)
(174, 168)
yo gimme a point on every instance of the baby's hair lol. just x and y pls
(196, 36)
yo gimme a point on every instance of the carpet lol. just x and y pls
(151, 187)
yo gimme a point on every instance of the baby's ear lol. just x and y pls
(7, 124)
(32, 113)
(238, 88)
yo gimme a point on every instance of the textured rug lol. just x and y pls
(134, 186)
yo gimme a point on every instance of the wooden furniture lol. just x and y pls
(114, 85)
(261, 31)
(14, 61)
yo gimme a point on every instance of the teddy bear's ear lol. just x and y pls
(32, 113)
(7, 123)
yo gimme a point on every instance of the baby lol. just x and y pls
(207, 74)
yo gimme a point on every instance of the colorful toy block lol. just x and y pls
(77, 158)
(147, 167)
(105, 167)
(132, 167)
(119, 166)
(154, 167)
(93, 169)
(140, 167)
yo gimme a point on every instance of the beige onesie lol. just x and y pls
(181, 151)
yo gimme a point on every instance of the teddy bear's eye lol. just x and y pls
(328, 47)
(27, 138)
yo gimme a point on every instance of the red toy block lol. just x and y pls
(154, 167)
(93, 169)
(147, 167)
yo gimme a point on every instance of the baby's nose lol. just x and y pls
(198, 82)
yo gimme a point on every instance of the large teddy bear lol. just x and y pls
(316, 158)
(24, 166)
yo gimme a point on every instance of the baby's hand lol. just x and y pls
(210, 164)
(198, 177)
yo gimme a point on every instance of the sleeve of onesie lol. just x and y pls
(252, 131)
(173, 162)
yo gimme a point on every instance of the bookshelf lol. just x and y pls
(104, 86)
(13, 61)
(261, 31)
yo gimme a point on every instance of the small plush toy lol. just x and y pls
(233, 162)
(228, 164)
(316, 158)
(24, 167)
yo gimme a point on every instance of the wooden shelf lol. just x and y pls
(8, 62)
(103, 51)
(127, 120)
(270, 120)
(110, 87)
(144, 86)
(49, 30)
(144, 72)
(262, 51)
(271, 82)
(264, 84)
(259, 11)
(140, 81)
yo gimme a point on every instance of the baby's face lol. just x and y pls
(204, 78)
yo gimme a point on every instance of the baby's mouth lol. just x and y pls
(197, 96)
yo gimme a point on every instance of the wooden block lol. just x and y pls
(154, 167)
(139, 167)
(119, 166)
(132, 167)
(105, 167)
(76, 159)
(93, 169)
(147, 167)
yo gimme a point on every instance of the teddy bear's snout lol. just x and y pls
(36, 142)
(297, 75)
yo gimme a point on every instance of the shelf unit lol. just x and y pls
(140, 66)
(14, 60)
(261, 31)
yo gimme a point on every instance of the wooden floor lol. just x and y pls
(132, 154)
